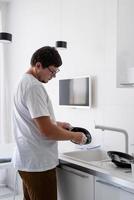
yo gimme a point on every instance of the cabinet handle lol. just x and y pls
(68, 169)
(106, 183)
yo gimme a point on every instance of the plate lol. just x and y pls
(85, 131)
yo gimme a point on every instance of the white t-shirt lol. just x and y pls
(34, 151)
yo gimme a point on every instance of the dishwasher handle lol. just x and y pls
(74, 171)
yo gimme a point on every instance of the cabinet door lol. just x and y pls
(125, 194)
(125, 43)
(106, 191)
(74, 184)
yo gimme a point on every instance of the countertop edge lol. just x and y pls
(99, 172)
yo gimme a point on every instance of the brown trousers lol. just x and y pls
(39, 185)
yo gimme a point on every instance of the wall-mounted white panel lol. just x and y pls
(125, 42)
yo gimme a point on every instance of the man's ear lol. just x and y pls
(38, 65)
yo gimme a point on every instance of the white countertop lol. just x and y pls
(107, 170)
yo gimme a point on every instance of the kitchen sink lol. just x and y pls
(87, 155)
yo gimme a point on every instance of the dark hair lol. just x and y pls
(46, 56)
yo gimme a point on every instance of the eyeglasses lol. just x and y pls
(53, 72)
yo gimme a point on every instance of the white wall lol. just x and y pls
(89, 26)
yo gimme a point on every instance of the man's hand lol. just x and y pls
(79, 138)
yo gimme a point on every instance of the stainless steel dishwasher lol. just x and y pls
(74, 184)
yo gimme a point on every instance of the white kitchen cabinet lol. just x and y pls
(107, 190)
(125, 43)
(125, 194)
(74, 184)
(5, 189)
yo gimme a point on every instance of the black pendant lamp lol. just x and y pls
(61, 44)
(5, 37)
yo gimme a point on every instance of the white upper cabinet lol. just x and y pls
(125, 43)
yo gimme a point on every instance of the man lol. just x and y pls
(36, 130)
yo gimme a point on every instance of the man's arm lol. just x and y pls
(54, 132)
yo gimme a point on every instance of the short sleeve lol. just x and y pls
(37, 101)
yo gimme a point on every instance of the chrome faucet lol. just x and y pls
(103, 128)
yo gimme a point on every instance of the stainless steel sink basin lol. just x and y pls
(87, 155)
